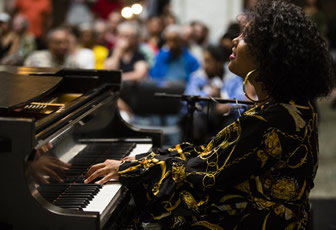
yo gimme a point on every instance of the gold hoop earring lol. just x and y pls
(244, 87)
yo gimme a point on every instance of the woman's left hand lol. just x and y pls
(108, 170)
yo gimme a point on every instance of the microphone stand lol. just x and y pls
(191, 105)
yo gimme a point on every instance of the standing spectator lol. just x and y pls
(57, 53)
(174, 62)
(38, 13)
(23, 42)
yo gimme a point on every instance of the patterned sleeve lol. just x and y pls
(172, 181)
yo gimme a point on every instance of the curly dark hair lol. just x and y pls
(294, 60)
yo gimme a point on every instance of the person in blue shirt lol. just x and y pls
(214, 80)
(174, 63)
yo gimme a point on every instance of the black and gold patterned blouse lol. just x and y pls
(254, 174)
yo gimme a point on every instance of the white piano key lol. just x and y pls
(141, 148)
(102, 198)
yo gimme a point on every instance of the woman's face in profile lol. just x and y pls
(241, 61)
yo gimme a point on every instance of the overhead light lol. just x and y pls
(137, 8)
(127, 12)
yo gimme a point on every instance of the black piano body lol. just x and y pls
(76, 111)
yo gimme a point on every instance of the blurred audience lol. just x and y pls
(57, 54)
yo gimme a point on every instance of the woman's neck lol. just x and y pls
(262, 94)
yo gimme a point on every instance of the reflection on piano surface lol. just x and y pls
(75, 114)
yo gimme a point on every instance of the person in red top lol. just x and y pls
(38, 13)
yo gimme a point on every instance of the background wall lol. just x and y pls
(216, 14)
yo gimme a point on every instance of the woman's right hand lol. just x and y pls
(108, 170)
(129, 158)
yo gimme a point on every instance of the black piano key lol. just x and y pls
(71, 206)
(80, 202)
(83, 196)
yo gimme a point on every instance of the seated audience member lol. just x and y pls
(214, 80)
(256, 173)
(6, 35)
(172, 67)
(90, 38)
(57, 54)
(226, 40)
(174, 62)
(39, 16)
(154, 39)
(207, 82)
(100, 30)
(233, 87)
(114, 19)
(83, 57)
(199, 39)
(23, 42)
(126, 55)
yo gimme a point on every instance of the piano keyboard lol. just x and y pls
(109, 190)
(74, 194)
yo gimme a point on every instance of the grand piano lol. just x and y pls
(76, 112)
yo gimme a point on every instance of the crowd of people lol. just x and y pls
(152, 47)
